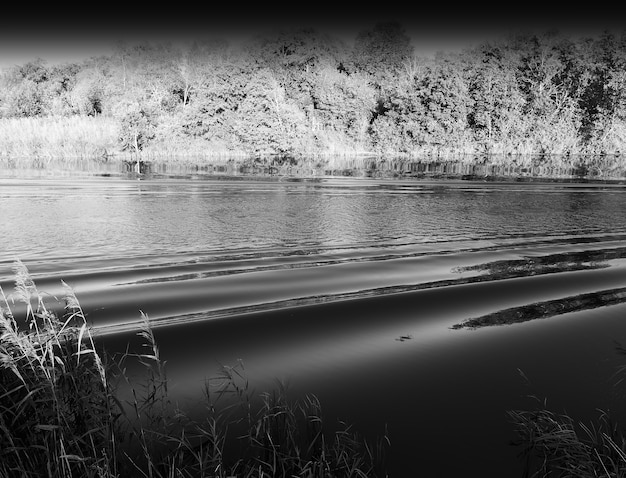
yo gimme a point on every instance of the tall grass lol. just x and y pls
(62, 413)
(57, 137)
(56, 416)
(556, 445)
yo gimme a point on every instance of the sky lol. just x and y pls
(73, 34)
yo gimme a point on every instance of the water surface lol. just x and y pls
(406, 303)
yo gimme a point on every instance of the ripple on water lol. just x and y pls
(351, 288)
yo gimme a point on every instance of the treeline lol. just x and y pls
(302, 92)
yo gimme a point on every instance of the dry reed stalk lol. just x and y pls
(57, 137)
(54, 394)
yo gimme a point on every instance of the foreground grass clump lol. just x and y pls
(61, 414)
(556, 445)
(55, 414)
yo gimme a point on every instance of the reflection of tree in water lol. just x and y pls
(570, 261)
(542, 310)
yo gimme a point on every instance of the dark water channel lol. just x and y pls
(356, 290)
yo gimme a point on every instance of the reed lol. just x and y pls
(62, 413)
(557, 445)
(50, 138)
(56, 415)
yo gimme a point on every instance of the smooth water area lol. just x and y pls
(353, 289)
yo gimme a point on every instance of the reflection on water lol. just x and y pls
(570, 261)
(541, 310)
(357, 290)
(488, 168)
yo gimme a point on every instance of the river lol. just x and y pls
(354, 289)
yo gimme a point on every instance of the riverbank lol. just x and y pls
(89, 143)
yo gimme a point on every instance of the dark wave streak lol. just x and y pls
(226, 288)
(496, 291)
(504, 269)
(551, 308)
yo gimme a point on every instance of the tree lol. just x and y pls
(294, 57)
(427, 111)
(35, 71)
(382, 52)
(57, 89)
(265, 121)
(23, 100)
(87, 93)
(495, 115)
(136, 128)
(548, 79)
(23, 90)
(443, 95)
(344, 103)
(603, 102)
(382, 55)
(217, 98)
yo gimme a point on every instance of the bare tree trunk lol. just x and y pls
(136, 145)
